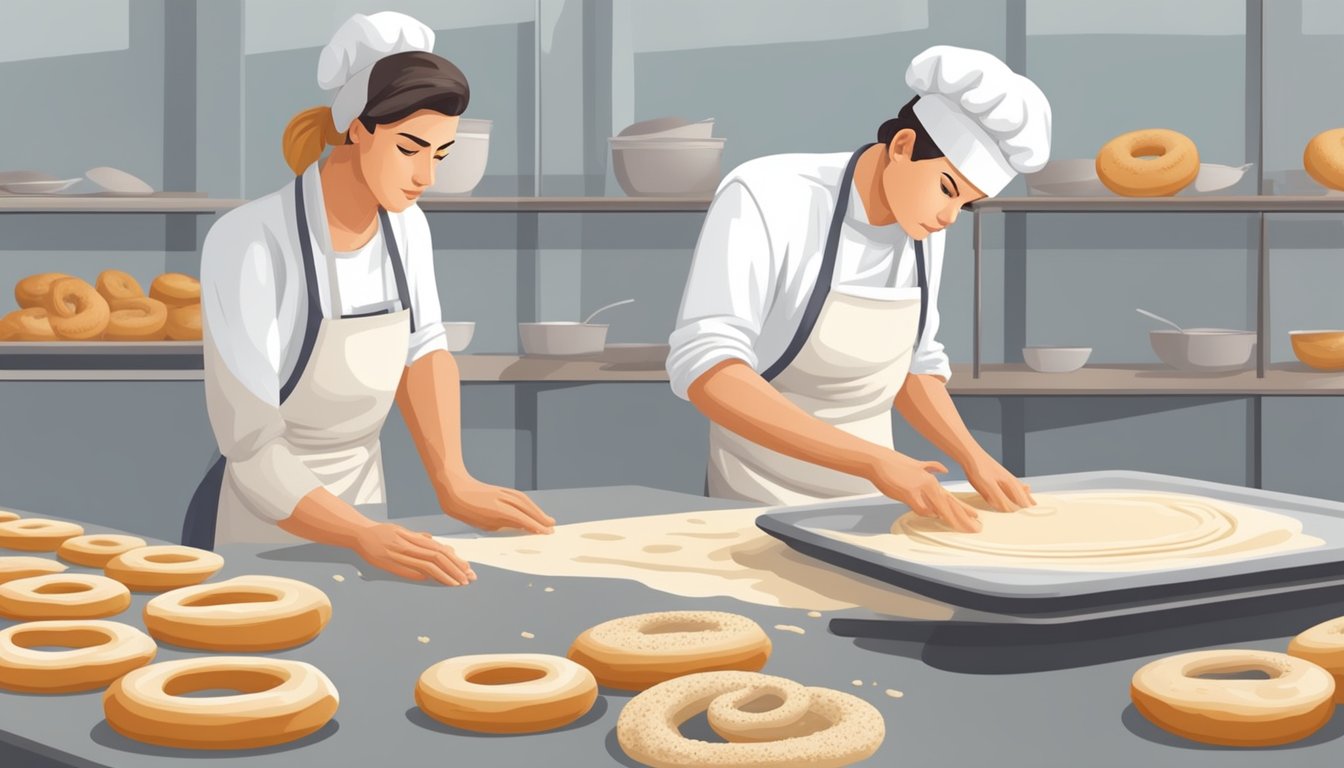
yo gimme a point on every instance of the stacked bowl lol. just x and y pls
(667, 157)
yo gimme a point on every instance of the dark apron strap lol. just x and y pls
(398, 269)
(822, 289)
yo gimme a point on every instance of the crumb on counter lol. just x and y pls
(895, 694)
(857, 683)
(423, 639)
(527, 635)
(791, 628)
(814, 614)
(338, 577)
(550, 589)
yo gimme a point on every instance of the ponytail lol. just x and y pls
(307, 134)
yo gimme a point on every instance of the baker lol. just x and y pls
(320, 310)
(811, 305)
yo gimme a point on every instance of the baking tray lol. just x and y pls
(1017, 591)
(100, 355)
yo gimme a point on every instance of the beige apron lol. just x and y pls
(845, 366)
(333, 406)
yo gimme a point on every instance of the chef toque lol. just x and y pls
(361, 42)
(990, 122)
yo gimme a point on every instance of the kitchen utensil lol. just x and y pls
(1068, 178)
(659, 167)
(1323, 350)
(1160, 319)
(1204, 349)
(1214, 177)
(117, 181)
(1055, 359)
(562, 338)
(458, 335)
(462, 170)
(38, 186)
(609, 306)
(669, 128)
(1021, 591)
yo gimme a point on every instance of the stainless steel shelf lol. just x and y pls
(1177, 204)
(180, 203)
(157, 203)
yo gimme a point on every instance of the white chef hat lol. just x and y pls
(361, 42)
(990, 122)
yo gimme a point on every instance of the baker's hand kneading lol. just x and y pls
(412, 555)
(492, 507)
(913, 483)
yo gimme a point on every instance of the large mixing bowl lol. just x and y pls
(654, 167)
(464, 167)
(1204, 349)
(1323, 350)
(562, 338)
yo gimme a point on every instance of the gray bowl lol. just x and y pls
(1204, 349)
(667, 167)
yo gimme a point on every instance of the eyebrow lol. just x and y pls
(424, 143)
(955, 188)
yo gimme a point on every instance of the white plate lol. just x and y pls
(118, 182)
(39, 187)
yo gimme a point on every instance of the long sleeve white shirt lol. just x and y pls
(757, 260)
(254, 307)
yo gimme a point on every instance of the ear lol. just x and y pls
(357, 133)
(902, 145)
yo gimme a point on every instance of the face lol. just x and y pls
(924, 195)
(397, 160)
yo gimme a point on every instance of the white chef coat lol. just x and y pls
(757, 260)
(253, 307)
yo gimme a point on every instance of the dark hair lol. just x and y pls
(925, 148)
(405, 83)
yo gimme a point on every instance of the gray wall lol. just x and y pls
(779, 76)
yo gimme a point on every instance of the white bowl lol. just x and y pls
(669, 128)
(118, 182)
(667, 167)
(459, 335)
(1214, 177)
(464, 167)
(1056, 359)
(563, 338)
(1204, 349)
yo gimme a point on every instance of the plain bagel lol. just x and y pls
(98, 653)
(506, 692)
(93, 551)
(63, 596)
(161, 568)
(635, 652)
(247, 613)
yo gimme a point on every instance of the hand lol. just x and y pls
(996, 485)
(490, 507)
(412, 555)
(913, 482)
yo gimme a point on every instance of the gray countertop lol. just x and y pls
(968, 699)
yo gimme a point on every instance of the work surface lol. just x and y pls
(967, 701)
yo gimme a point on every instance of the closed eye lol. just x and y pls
(440, 157)
(946, 191)
(407, 152)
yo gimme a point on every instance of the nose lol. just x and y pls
(948, 216)
(423, 175)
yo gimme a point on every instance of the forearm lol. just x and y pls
(323, 517)
(735, 397)
(430, 399)
(925, 403)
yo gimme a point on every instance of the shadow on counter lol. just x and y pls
(988, 648)
(103, 734)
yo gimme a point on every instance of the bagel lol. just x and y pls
(161, 568)
(95, 550)
(31, 291)
(116, 286)
(1296, 700)
(21, 567)
(506, 692)
(279, 701)
(184, 323)
(1324, 158)
(1149, 163)
(176, 289)
(100, 652)
(137, 319)
(1323, 645)
(33, 534)
(247, 613)
(635, 652)
(63, 596)
(6, 516)
(29, 325)
(815, 727)
(76, 311)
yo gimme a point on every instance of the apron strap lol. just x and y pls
(922, 278)
(398, 269)
(822, 288)
(314, 318)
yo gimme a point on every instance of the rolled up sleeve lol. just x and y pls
(242, 341)
(418, 248)
(929, 356)
(727, 293)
